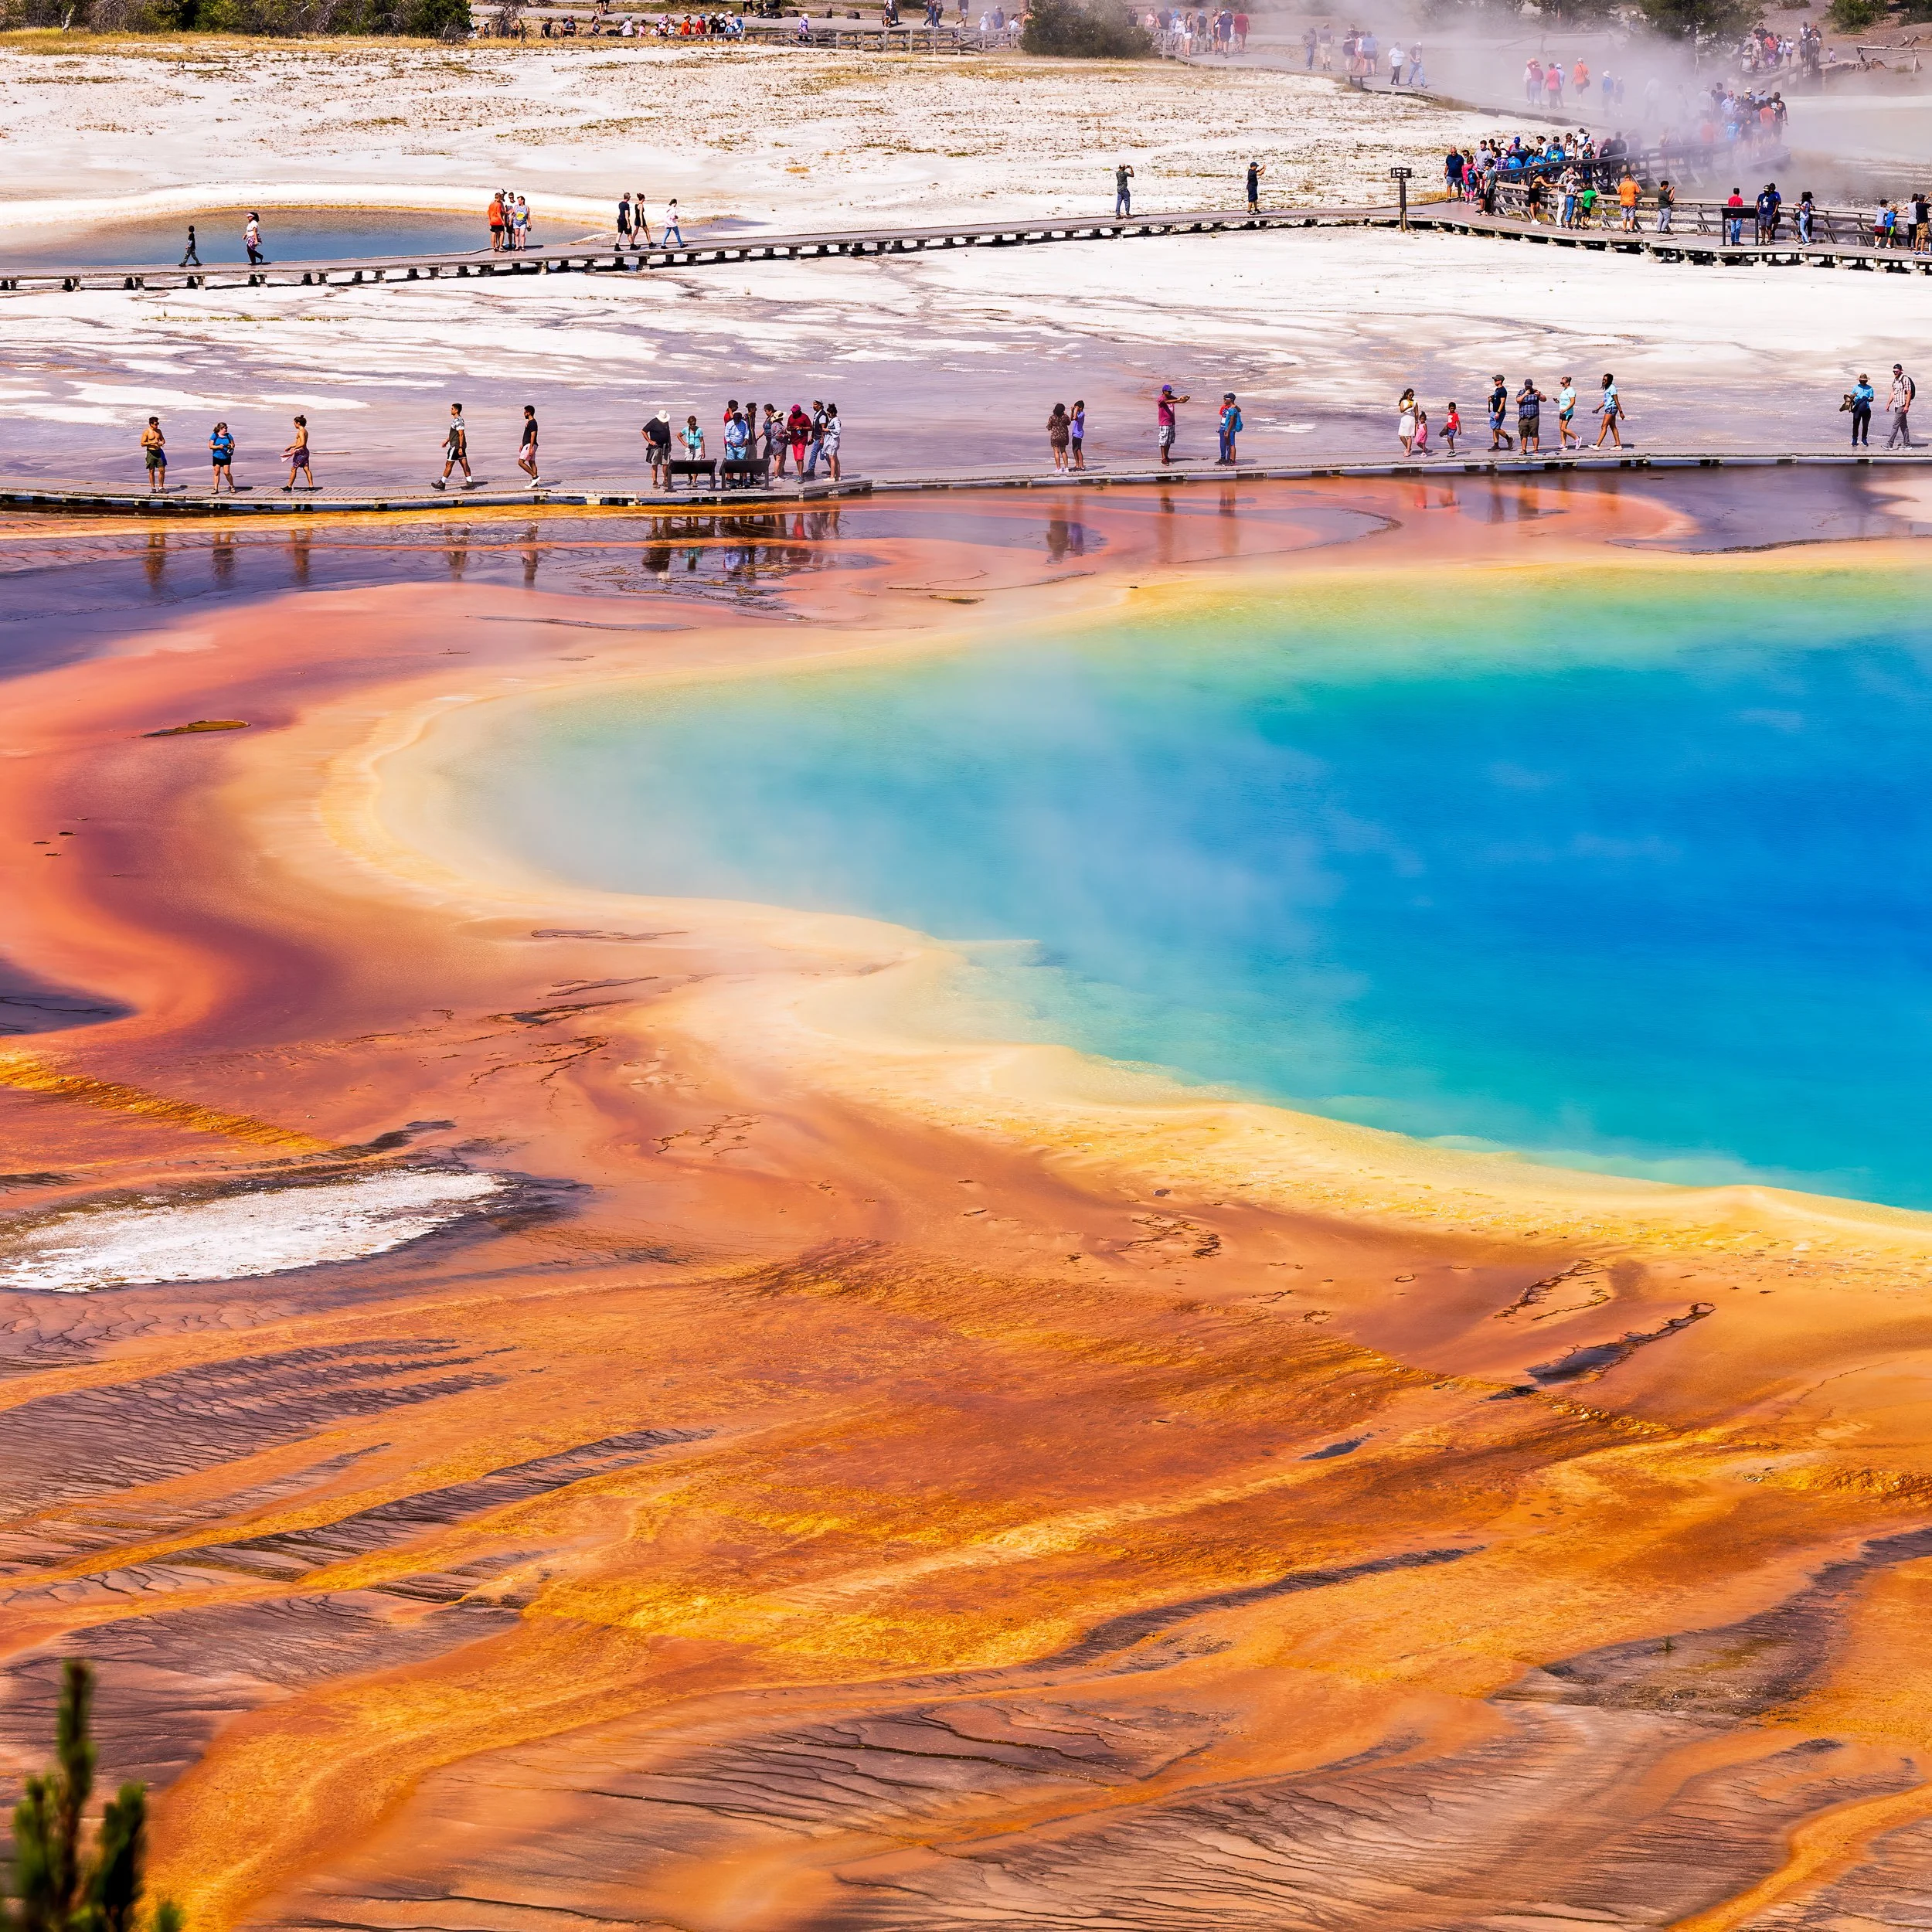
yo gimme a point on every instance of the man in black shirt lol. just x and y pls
(657, 447)
(1499, 438)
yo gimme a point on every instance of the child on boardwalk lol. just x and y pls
(221, 453)
(1451, 428)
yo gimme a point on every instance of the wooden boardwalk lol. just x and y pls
(621, 494)
(604, 256)
(701, 251)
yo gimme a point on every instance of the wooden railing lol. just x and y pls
(1849, 226)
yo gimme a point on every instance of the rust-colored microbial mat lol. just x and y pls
(552, 1410)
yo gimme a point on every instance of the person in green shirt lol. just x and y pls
(1587, 206)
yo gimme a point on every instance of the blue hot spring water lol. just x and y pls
(1628, 869)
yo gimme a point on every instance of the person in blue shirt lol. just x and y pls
(221, 453)
(1860, 404)
(1229, 426)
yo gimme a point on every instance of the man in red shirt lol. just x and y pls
(1240, 33)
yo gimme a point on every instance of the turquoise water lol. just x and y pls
(1630, 869)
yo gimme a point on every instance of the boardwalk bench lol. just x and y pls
(742, 470)
(704, 466)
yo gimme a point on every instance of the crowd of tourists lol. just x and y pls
(1362, 57)
(1413, 430)
(1177, 31)
(751, 448)
(510, 24)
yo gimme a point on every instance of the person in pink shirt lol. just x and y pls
(1165, 417)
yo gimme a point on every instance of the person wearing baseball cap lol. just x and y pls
(1229, 427)
(1163, 415)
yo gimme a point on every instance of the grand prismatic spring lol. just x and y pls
(1170, 1204)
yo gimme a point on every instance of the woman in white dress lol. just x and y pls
(1405, 428)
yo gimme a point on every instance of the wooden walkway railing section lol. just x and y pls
(1839, 227)
(1697, 237)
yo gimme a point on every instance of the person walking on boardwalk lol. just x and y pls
(154, 448)
(456, 450)
(1499, 435)
(829, 438)
(1228, 427)
(657, 447)
(1256, 170)
(221, 455)
(1406, 421)
(252, 241)
(673, 233)
(190, 257)
(1123, 190)
(526, 451)
(297, 456)
(1529, 415)
(1451, 428)
(1859, 402)
(1566, 437)
(640, 221)
(1166, 422)
(1422, 431)
(624, 220)
(1903, 389)
(1611, 409)
(1059, 435)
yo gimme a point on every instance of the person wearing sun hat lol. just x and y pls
(657, 447)
(1163, 415)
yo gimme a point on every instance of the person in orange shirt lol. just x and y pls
(1627, 195)
(1579, 81)
(496, 223)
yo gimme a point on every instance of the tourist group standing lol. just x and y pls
(809, 440)
(509, 219)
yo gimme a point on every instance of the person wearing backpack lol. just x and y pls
(1903, 389)
(1229, 427)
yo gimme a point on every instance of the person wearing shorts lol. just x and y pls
(1076, 438)
(526, 454)
(657, 447)
(1499, 435)
(298, 455)
(456, 450)
(1166, 421)
(221, 453)
(154, 448)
